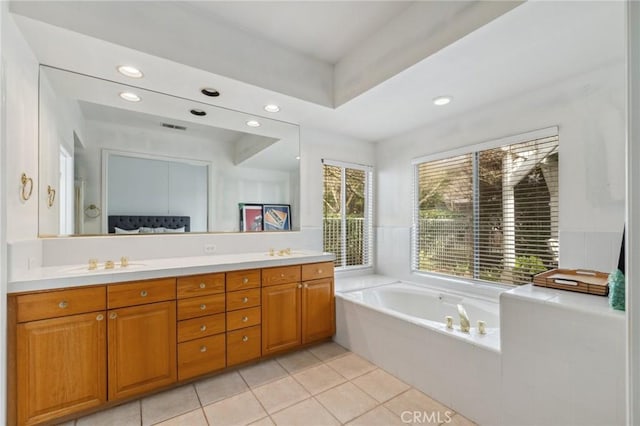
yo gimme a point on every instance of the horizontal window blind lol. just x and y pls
(491, 214)
(348, 213)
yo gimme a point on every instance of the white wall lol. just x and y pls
(3, 222)
(317, 145)
(21, 132)
(590, 113)
(633, 215)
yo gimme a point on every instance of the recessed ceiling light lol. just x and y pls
(198, 112)
(130, 71)
(208, 91)
(253, 123)
(442, 100)
(297, 157)
(129, 96)
(272, 108)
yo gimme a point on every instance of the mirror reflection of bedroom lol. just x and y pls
(154, 164)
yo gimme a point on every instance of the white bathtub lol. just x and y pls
(428, 306)
(401, 327)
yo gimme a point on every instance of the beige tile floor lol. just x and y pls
(323, 385)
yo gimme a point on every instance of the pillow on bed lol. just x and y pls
(145, 230)
(159, 230)
(174, 231)
(126, 231)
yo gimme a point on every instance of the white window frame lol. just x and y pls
(368, 208)
(471, 149)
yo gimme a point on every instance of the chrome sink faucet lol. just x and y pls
(465, 324)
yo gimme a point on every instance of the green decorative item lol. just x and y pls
(616, 290)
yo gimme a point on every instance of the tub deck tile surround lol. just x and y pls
(313, 393)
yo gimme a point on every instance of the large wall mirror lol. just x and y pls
(109, 150)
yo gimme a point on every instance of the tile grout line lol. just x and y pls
(327, 410)
(372, 396)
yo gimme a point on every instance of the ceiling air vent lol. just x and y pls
(173, 126)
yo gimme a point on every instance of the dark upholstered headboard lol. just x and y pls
(135, 222)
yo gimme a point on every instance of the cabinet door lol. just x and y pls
(318, 310)
(62, 366)
(142, 348)
(280, 317)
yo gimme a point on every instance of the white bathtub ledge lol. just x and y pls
(358, 282)
(586, 303)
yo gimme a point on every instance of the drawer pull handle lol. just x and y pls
(245, 299)
(203, 348)
(245, 280)
(113, 315)
(299, 285)
(203, 307)
(203, 285)
(63, 304)
(245, 338)
(100, 317)
(281, 275)
(203, 327)
(319, 271)
(144, 293)
(306, 286)
(245, 319)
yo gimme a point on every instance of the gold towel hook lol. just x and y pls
(27, 182)
(51, 196)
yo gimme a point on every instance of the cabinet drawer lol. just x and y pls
(141, 292)
(243, 299)
(201, 356)
(243, 318)
(243, 345)
(280, 275)
(60, 303)
(200, 285)
(201, 327)
(314, 271)
(200, 306)
(239, 280)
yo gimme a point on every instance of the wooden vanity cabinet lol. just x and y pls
(318, 310)
(243, 316)
(74, 350)
(295, 312)
(141, 336)
(281, 310)
(61, 358)
(201, 325)
(318, 302)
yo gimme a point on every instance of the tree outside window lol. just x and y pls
(490, 215)
(346, 214)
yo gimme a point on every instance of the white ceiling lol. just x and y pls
(535, 45)
(325, 30)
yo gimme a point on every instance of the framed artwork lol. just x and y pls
(276, 217)
(250, 217)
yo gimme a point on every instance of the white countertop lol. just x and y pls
(53, 277)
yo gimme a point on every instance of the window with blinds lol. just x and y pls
(491, 214)
(348, 213)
